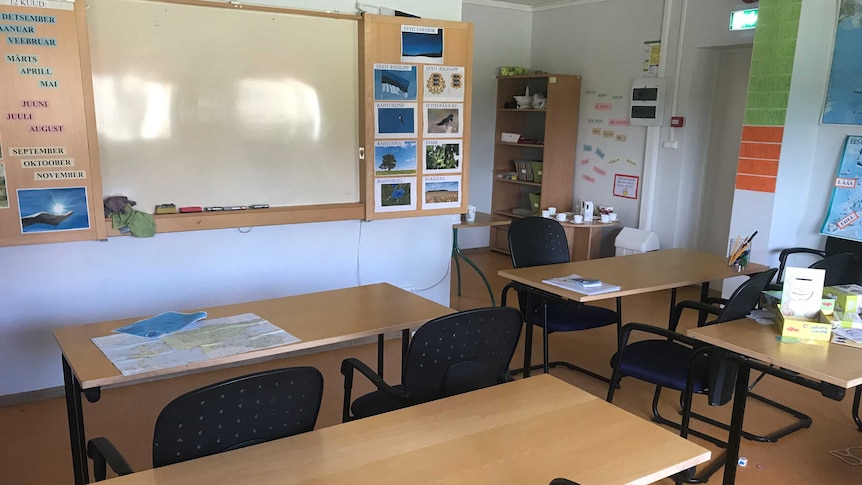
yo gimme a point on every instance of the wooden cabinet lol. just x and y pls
(547, 135)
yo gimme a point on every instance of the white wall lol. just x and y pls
(52, 285)
(603, 42)
(501, 37)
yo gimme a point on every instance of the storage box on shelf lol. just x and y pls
(543, 157)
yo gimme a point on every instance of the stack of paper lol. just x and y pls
(583, 285)
(847, 336)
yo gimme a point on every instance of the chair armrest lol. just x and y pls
(652, 329)
(103, 453)
(693, 305)
(347, 367)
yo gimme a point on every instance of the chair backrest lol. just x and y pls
(237, 412)
(461, 352)
(534, 241)
(745, 298)
(837, 269)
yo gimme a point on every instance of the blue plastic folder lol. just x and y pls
(161, 324)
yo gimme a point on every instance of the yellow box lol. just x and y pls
(815, 329)
(847, 297)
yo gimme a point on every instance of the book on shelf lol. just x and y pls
(579, 284)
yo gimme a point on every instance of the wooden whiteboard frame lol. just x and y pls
(274, 215)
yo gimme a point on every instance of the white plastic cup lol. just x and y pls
(606, 218)
(561, 217)
(613, 216)
(552, 211)
(578, 219)
(471, 213)
(546, 213)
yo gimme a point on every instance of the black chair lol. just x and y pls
(672, 361)
(536, 241)
(562, 481)
(839, 267)
(456, 353)
(231, 414)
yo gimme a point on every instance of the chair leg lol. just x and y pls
(658, 418)
(528, 349)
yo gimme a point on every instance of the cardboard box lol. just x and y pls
(847, 297)
(816, 329)
(510, 137)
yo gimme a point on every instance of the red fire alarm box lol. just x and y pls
(677, 121)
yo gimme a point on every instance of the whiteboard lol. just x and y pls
(209, 106)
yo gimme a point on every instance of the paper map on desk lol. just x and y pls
(200, 341)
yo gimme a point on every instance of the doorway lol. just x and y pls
(722, 153)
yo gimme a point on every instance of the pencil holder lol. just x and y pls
(738, 253)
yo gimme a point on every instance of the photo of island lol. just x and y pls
(54, 209)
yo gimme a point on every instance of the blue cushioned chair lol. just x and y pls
(448, 355)
(536, 241)
(672, 360)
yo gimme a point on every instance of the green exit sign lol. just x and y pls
(743, 19)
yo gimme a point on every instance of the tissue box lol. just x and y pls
(847, 297)
(819, 328)
(510, 137)
(513, 71)
(849, 319)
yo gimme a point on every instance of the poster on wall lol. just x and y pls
(394, 82)
(443, 83)
(442, 156)
(4, 194)
(395, 120)
(442, 192)
(626, 186)
(843, 97)
(394, 158)
(54, 209)
(845, 206)
(443, 119)
(421, 44)
(394, 194)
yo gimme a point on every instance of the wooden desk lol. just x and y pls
(585, 239)
(482, 220)
(524, 432)
(636, 274)
(832, 367)
(317, 319)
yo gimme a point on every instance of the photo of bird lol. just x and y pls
(447, 120)
(443, 121)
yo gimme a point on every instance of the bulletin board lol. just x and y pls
(49, 164)
(417, 93)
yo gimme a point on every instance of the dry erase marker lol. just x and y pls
(215, 208)
(259, 206)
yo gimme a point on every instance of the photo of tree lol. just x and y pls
(394, 158)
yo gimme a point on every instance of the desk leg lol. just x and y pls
(856, 396)
(672, 306)
(456, 252)
(739, 398)
(405, 344)
(704, 294)
(74, 410)
(380, 355)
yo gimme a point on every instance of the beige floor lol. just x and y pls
(35, 442)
